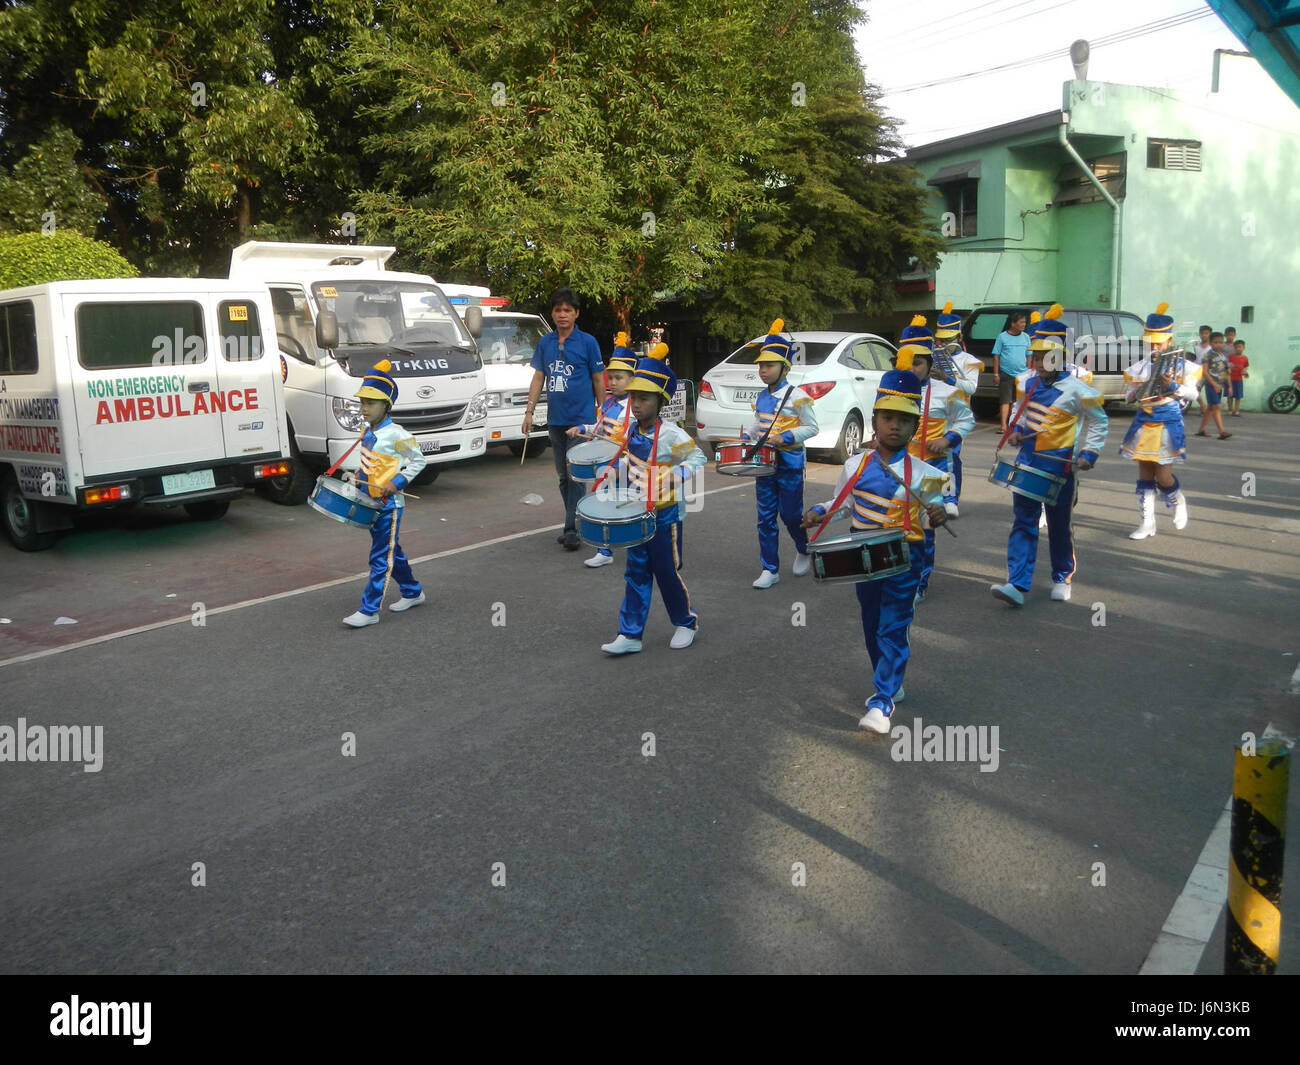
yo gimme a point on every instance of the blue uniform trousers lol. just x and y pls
(1022, 547)
(956, 476)
(657, 560)
(926, 547)
(382, 534)
(886, 614)
(782, 494)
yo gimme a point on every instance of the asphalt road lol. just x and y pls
(478, 743)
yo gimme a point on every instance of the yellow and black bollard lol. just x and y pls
(1254, 919)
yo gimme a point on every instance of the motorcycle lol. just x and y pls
(1286, 398)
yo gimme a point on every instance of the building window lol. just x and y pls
(960, 199)
(1247, 315)
(1173, 155)
(1073, 185)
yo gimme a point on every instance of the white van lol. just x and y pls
(507, 342)
(338, 311)
(149, 391)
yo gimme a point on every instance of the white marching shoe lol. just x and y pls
(1147, 508)
(950, 508)
(406, 604)
(599, 560)
(622, 645)
(766, 579)
(875, 719)
(682, 637)
(360, 620)
(1061, 592)
(802, 564)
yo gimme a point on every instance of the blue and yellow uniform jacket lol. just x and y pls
(877, 501)
(947, 415)
(796, 423)
(678, 456)
(612, 421)
(1067, 419)
(389, 454)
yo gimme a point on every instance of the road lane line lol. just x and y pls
(364, 575)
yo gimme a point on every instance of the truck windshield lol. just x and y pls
(507, 340)
(392, 314)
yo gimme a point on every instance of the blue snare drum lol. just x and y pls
(861, 556)
(1028, 481)
(344, 503)
(614, 520)
(587, 461)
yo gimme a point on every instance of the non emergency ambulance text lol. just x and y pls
(134, 386)
(148, 407)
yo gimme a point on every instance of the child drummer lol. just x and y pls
(788, 411)
(1060, 426)
(390, 460)
(946, 418)
(659, 455)
(614, 415)
(880, 502)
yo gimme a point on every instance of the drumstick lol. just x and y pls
(890, 470)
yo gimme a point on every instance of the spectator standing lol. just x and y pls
(1010, 358)
(1216, 373)
(567, 363)
(1237, 374)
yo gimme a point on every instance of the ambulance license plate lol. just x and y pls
(429, 447)
(175, 484)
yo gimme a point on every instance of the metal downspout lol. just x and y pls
(1114, 207)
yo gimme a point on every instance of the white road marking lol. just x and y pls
(1177, 950)
(297, 591)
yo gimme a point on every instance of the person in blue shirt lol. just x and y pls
(1010, 360)
(567, 363)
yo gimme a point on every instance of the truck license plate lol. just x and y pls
(430, 447)
(175, 484)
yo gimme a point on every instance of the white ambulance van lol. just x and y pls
(338, 311)
(148, 391)
(506, 342)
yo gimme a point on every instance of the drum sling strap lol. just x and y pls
(330, 471)
(839, 499)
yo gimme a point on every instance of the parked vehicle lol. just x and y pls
(841, 372)
(338, 311)
(507, 343)
(1102, 340)
(1285, 399)
(142, 392)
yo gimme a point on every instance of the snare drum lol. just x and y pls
(344, 503)
(1028, 481)
(730, 456)
(587, 461)
(861, 556)
(614, 520)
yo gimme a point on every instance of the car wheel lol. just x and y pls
(295, 486)
(535, 447)
(19, 517)
(850, 439)
(208, 509)
(426, 476)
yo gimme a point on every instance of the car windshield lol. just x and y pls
(808, 353)
(510, 340)
(393, 314)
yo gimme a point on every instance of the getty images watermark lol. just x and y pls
(946, 743)
(53, 743)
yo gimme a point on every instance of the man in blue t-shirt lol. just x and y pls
(568, 363)
(1010, 360)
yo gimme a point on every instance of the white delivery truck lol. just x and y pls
(338, 311)
(149, 391)
(507, 342)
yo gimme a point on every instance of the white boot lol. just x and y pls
(1175, 498)
(1147, 508)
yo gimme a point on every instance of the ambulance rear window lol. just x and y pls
(241, 334)
(113, 336)
(17, 338)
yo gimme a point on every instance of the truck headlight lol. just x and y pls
(347, 412)
(493, 400)
(477, 409)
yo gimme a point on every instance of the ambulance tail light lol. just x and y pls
(109, 493)
(818, 388)
(271, 469)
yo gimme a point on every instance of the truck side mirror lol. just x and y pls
(327, 329)
(474, 321)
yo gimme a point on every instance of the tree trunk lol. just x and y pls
(245, 217)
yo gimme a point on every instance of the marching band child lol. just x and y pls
(658, 453)
(946, 418)
(789, 412)
(613, 418)
(948, 331)
(390, 460)
(880, 502)
(1156, 439)
(1060, 426)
